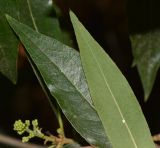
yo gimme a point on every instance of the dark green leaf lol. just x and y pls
(38, 14)
(61, 70)
(146, 52)
(112, 96)
(8, 42)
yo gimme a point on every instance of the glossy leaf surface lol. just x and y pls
(146, 52)
(112, 96)
(61, 70)
(38, 14)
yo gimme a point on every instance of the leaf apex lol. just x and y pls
(146, 96)
(8, 17)
(71, 13)
(73, 17)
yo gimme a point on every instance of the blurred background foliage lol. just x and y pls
(112, 23)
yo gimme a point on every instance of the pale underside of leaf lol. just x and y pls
(111, 94)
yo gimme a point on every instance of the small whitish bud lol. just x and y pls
(25, 139)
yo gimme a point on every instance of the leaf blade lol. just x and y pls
(73, 98)
(36, 14)
(109, 98)
(8, 44)
(146, 52)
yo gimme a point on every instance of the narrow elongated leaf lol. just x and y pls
(38, 14)
(112, 96)
(146, 52)
(61, 70)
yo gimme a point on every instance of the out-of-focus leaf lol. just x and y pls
(146, 52)
(112, 96)
(61, 70)
(75, 145)
(38, 14)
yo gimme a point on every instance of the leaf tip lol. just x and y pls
(71, 13)
(8, 17)
(147, 90)
(73, 17)
(146, 96)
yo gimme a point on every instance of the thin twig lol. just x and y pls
(156, 138)
(17, 143)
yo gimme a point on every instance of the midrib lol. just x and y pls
(32, 17)
(106, 82)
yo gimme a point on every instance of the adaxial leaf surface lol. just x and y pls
(38, 14)
(112, 96)
(61, 70)
(146, 52)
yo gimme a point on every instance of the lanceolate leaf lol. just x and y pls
(146, 52)
(38, 14)
(61, 70)
(112, 96)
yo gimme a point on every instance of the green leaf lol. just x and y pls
(61, 70)
(8, 43)
(146, 52)
(74, 145)
(112, 96)
(38, 14)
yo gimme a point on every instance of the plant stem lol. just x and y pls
(17, 143)
(60, 121)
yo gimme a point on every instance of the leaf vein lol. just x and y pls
(32, 17)
(106, 82)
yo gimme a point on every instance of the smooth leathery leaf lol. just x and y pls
(146, 52)
(112, 96)
(61, 70)
(36, 14)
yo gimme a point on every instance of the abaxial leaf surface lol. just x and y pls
(112, 96)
